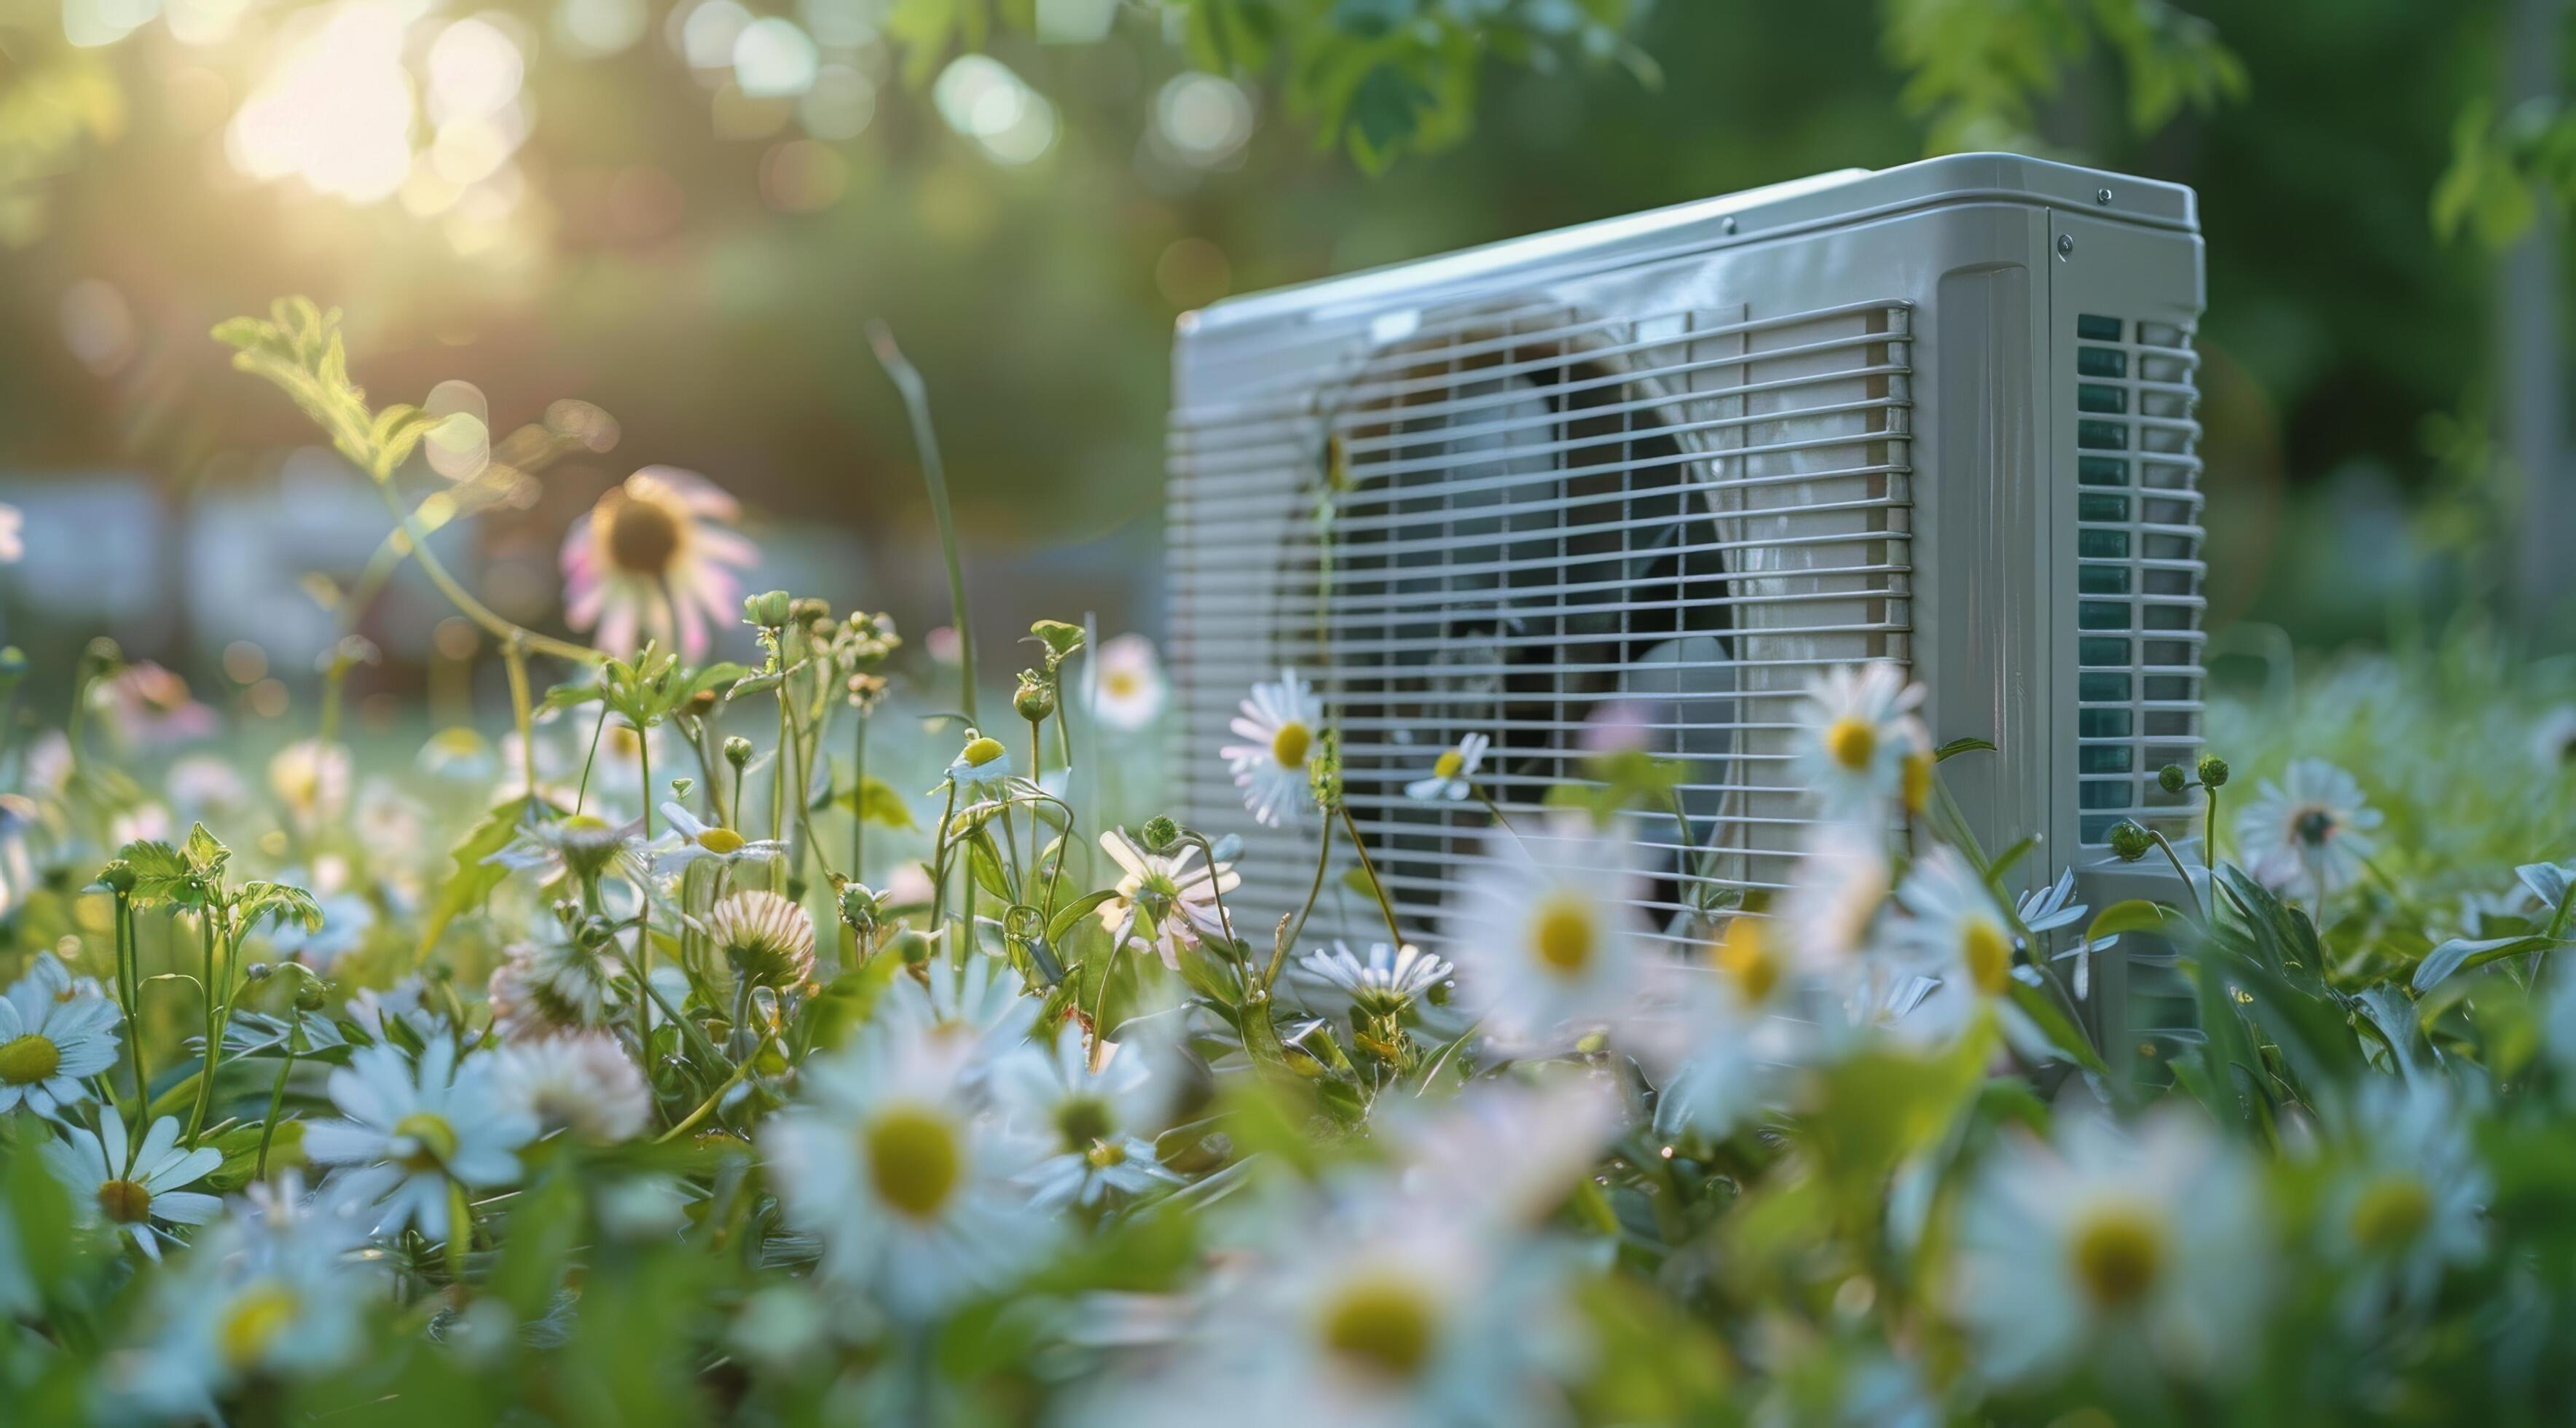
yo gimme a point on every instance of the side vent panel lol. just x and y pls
(2138, 574)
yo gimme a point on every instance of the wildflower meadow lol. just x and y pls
(676, 1052)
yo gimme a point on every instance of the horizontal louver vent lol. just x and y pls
(2137, 574)
(1543, 523)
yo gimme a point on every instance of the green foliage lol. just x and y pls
(298, 348)
(1979, 68)
(2503, 167)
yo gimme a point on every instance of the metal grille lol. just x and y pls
(2138, 574)
(1531, 523)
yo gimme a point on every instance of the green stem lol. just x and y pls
(460, 1226)
(129, 990)
(934, 476)
(2209, 836)
(644, 771)
(1369, 869)
(2176, 859)
(277, 1096)
(1495, 809)
(1323, 860)
(463, 599)
(514, 657)
(859, 798)
(690, 1122)
(214, 1036)
(581, 791)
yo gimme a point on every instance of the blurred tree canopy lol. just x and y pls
(1031, 190)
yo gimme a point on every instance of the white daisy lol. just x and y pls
(553, 984)
(1831, 912)
(1505, 1154)
(767, 939)
(1957, 934)
(1453, 774)
(2410, 1202)
(1719, 1040)
(1280, 723)
(1127, 683)
(52, 1035)
(1165, 902)
(412, 1132)
(1384, 983)
(271, 1289)
(979, 1010)
(689, 840)
(1855, 735)
(582, 846)
(2046, 910)
(585, 1083)
(204, 788)
(1389, 1313)
(406, 1001)
(2112, 1243)
(312, 779)
(140, 1194)
(2309, 833)
(884, 1159)
(1094, 1121)
(1543, 935)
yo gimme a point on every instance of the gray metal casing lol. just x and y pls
(1983, 263)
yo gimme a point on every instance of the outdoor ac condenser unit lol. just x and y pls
(1679, 463)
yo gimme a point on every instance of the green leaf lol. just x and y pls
(203, 852)
(2134, 915)
(1075, 911)
(474, 879)
(2460, 953)
(258, 899)
(1960, 746)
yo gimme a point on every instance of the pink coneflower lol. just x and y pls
(649, 562)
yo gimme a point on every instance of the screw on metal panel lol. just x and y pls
(2065, 244)
(2102, 195)
(1726, 226)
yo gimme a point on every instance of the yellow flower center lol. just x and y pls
(253, 1321)
(433, 1140)
(2391, 1212)
(1987, 954)
(1123, 683)
(1082, 1120)
(1105, 1154)
(124, 1201)
(980, 752)
(643, 533)
(1851, 742)
(1290, 744)
(28, 1060)
(720, 840)
(1562, 936)
(1915, 782)
(914, 1159)
(1448, 764)
(1748, 956)
(2118, 1251)
(1381, 1326)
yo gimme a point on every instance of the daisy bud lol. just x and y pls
(866, 690)
(1161, 835)
(700, 704)
(309, 996)
(2171, 778)
(768, 940)
(769, 610)
(680, 788)
(1324, 771)
(100, 656)
(860, 907)
(981, 749)
(806, 609)
(595, 933)
(438, 972)
(2129, 842)
(912, 947)
(2213, 771)
(737, 751)
(258, 971)
(117, 877)
(1036, 699)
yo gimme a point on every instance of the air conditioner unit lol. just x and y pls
(1680, 463)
